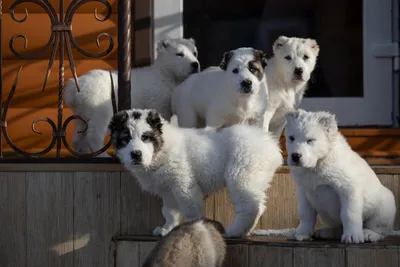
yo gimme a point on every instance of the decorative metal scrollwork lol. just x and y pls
(61, 39)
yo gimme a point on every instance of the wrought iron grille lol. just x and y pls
(62, 40)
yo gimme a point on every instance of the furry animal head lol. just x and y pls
(136, 135)
(179, 55)
(295, 59)
(244, 68)
(309, 136)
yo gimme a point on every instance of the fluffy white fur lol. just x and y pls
(288, 73)
(216, 97)
(334, 182)
(192, 163)
(151, 88)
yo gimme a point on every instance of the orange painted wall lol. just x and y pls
(29, 102)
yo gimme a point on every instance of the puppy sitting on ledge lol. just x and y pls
(334, 182)
(182, 165)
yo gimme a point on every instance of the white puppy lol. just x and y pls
(182, 165)
(334, 182)
(288, 73)
(235, 93)
(151, 88)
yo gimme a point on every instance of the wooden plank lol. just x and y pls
(96, 215)
(318, 257)
(144, 250)
(32, 8)
(270, 256)
(49, 219)
(224, 211)
(361, 257)
(281, 211)
(237, 256)
(13, 218)
(392, 183)
(127, 254)
(209, 207)
(140, 212)
(85, 29)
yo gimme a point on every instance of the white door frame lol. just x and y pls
(378, 106)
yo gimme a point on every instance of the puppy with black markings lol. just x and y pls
(182, 165)
(191, 244)
(234, 93)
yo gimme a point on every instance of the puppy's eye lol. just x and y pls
(310, 141)
(235, 70)
(291, 138)
(195, 54)
(288, 57)
(253, 69)
(145, 138)
(180, 54)
(305, 57)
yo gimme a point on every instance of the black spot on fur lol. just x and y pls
(260, 57)
(154, 120)
(225, 60)
(136, 115)
(119, 132)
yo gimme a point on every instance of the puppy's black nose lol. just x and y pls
(136, 155)
(296, 157)
(298, 71)
(246, 83)
(195, 66)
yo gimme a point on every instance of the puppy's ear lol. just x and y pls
(117, 121)
(225, 60)
(314, 46)
(154, 120)
(280, 42)
(262, 57)
(193, 41)
(327, 121)
(163, 43)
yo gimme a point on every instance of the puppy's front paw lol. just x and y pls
(159, 231)
(297, 236)
(353, 237)
(303, 237)
(371, 236)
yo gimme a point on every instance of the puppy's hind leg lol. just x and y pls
(96, 133)
(381, 224)
(248, 202)
(79, 140)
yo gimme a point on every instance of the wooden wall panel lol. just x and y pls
(49, 239)
(13, 219)
(96, 217)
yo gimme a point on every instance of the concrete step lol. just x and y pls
(267, 251)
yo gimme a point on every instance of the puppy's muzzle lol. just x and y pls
(298, 73)
(136, 156)
(246, 86)
(195, 67)
(296, 157)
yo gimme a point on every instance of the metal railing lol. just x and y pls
(62, 40)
